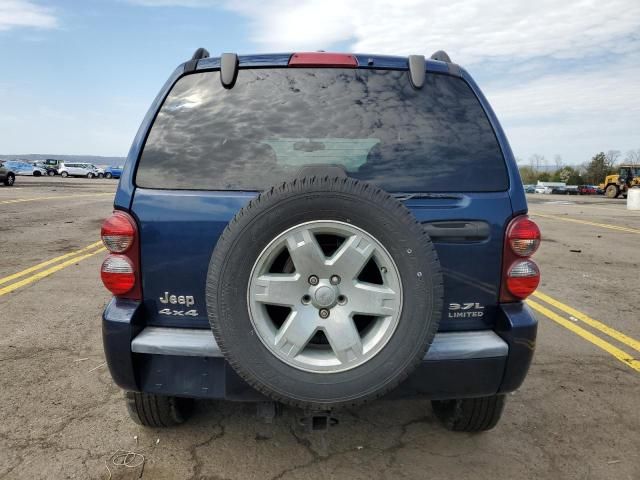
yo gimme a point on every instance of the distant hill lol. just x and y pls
(95, 159)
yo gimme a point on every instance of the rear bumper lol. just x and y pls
(188, 362)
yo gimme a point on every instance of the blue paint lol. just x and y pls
(179, 229)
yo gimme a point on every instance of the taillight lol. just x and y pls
(118, 232)
(120, 272)
(523, 278)
(524, 236)
(520, 275)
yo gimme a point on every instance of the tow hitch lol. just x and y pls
(310, 421)
(317, 420)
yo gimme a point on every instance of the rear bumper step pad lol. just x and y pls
(191, 342)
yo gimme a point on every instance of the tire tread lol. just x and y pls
(470, 414)
(340, 185)
(157, 411)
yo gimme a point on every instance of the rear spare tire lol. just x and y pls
(324, 292)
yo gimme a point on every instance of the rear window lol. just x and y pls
(274, 121)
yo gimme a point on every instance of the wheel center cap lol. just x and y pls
(324, 296)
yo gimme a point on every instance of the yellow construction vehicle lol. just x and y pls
(619, 183)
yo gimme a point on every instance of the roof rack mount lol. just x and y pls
(441, 56)
(199, 54)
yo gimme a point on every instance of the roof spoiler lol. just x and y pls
(229, 64)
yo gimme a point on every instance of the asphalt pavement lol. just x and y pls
(576, 416)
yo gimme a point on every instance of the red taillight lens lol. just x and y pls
(121, 272)
(118, 232)
(323, 59)
(523, 236)
(523, 278)
(520, 275)
(118, 274)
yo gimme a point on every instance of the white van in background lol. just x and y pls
(78, 170)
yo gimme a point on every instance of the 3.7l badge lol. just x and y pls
(465, 310)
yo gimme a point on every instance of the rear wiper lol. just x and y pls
(418, 195)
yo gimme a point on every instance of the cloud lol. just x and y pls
(562, 76)
(559, 74)
(575, 113)
(25, 13)
(571, 94)
(470, 30)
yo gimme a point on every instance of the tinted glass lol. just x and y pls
(273, 121)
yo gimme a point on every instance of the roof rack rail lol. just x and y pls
(199, 54)
(441, 56)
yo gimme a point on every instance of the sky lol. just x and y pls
(77, 76)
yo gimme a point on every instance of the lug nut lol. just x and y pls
(335, 279)
(313, 280)
(324, 313)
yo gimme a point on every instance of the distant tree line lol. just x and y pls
(592, 172)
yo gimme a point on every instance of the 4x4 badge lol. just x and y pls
(186, 300)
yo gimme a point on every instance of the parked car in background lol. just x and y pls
(51, 171)
(7, 176)
(113, 172)
(551, 187)
(587, 190)
(571, 190)
(530, 188)
(99, 171)
(78, 170)
(52, 165)
(25, 168)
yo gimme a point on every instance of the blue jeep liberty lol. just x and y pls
(320, 230)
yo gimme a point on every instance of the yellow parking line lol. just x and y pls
(585, 222)
(621, 355)
(54, 197)
(48, 262)
(47, 272)
(612, 332)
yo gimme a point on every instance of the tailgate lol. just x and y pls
(178, 231)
